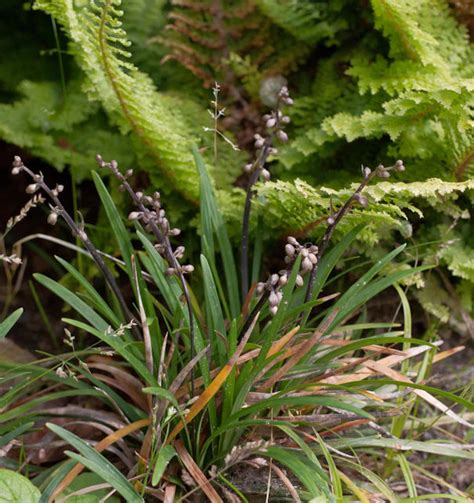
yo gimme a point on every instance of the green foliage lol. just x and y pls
(252, 374)
(65, 129)
(372, 82)
(310, 21)
(14, 488)
(418, 94)
(129, 96)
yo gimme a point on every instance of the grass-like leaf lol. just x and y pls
(7, 324)
(97, 463)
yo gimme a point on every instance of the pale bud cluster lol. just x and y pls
(38, 183)
(274, 124)
(150, 213)
(274, 284)
(382, 171)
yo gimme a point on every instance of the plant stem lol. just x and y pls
(322, 246)
(88, 245)
(244, 255)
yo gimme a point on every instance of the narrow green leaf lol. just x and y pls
(123, 348)
(73, 300)
(7, 324)
(213, 221)
(121, 234)
(166, 454)
(97, 464)
(94, 295)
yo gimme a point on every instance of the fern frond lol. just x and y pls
(308, 20)
(300, 207)
(100, 45)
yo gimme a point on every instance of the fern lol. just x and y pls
(310, 21)
(64, 130)
(304, 208)
(418, 95)
(129, 96)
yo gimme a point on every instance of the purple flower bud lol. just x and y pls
(362, 200)
(273, 310)
(283, 280)
(331, 220)
(290, 250)
(274, 279)
(285, 119)
(273, 299)
(32, 188)
(306, 265)
(270, 122)
(52, 218)
(292, 241)
(265, 174)
(299, 280)
(282, 136)
(313, 258)
(187, 269)
(134, 215)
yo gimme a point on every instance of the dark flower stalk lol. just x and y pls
(58, 210)
(335, 217)
(274, 123)
(154, 218)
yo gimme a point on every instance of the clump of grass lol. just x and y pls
(185, 380)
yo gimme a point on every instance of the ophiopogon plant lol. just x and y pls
(175, 388)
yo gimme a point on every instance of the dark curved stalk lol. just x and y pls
(257, 308)
(77, 231)
(244, 254)
(323, 245)
(163, 239)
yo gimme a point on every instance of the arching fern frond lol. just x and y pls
(101, 47)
